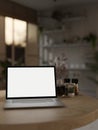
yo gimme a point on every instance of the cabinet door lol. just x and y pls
(32, 51)
(2, 39)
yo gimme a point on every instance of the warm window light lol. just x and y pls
(19, 32)
(8, 30)
(15, 32)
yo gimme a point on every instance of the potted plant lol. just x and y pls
(57, 15)
(3, 65)
(92, 38)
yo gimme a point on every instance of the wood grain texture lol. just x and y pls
(78, 112)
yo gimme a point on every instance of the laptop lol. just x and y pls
(31, 87)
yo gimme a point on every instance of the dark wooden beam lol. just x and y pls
(12, 9)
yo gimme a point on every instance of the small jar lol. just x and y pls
(76, 89)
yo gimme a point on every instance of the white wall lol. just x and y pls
(77, 53)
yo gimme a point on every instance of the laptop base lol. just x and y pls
(10, 104)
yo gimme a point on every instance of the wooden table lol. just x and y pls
(80, 110)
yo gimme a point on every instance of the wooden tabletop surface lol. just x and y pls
(78, 111)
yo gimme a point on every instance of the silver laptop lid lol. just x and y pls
(30, 82)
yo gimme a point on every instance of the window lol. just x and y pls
(15, 39)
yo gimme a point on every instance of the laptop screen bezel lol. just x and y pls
(29, 97)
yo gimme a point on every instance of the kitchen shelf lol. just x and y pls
(74, 18)
(67, 45)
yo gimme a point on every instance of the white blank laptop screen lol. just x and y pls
(30, 82)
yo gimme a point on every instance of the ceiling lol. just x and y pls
(48, 4)
(47, 9)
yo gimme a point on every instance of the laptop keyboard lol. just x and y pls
(32, 100)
